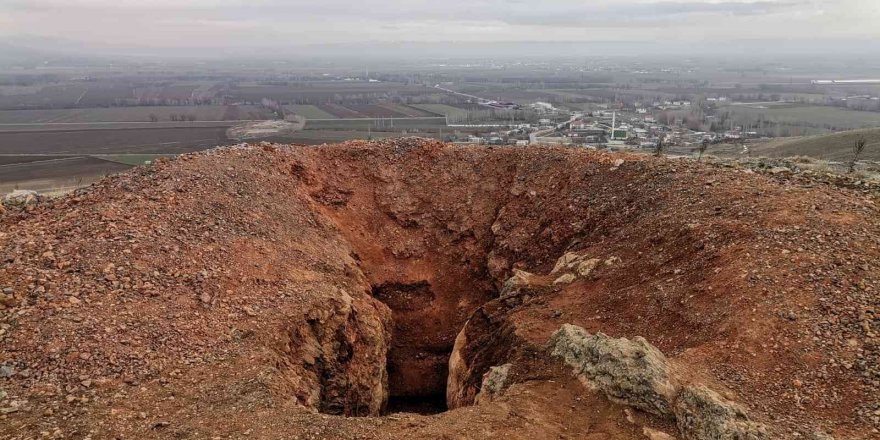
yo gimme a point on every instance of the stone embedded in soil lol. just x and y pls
(635, 373)
(702, 414)
(495, 381)
(632, 372)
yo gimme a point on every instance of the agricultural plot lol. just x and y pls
(319, 92)
(112, 114)
(246, 113)
(835, 146)
(106, 95)
(341, 111)
(376, 111)
(173, 94)
(442, 110)
(131, 159)
(380, 124)
(309, 111)
(407, 110)
(46, 97)
(56, 174)
(113, 141)
(831, 118)
(316, 137)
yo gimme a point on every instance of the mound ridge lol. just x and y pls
(250, 289)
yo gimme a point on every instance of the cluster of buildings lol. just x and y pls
(607, 128)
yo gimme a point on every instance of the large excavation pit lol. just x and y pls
(279, 291)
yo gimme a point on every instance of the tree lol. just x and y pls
(658, 149)
(858, 148)
(190, 117)
(703, 147)
(153, 117)
(174, 116)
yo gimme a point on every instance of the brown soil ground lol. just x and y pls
(255, 292)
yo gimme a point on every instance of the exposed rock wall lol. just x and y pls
(337, 359)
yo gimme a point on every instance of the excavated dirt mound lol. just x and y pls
(278, 291)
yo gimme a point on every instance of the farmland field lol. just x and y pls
(56, 174)
(314, 137)
(835, 146)
(442, 109)
(376, 124)
(322, 92)
(112, 141)
(816, 116)
(128, 114)
(131, 159)
(46, 97)
(375, 111)
(407, 110)
(341, 111)
(309, 111)
(103, 95)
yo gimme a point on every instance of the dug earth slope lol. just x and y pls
(276, 291)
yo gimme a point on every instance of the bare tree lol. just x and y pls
(190, 117)
(174, 116)
(858, 149)
(703, 147)
(658, 149)
(153, 117)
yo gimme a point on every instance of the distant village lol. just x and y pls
(608, 127)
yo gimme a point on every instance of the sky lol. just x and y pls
(265, 24)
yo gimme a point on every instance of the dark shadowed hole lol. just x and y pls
(418, 356)
(431, 404)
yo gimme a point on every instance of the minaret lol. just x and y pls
(613, 123)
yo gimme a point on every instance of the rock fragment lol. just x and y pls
(495, 381)
(702, 414)
(633, 372)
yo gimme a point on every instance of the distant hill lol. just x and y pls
(834, 147)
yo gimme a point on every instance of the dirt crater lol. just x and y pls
(369, 278)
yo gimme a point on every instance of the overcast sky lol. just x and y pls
(279, 23)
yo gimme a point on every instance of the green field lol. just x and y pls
(442, 109)
(309, 111)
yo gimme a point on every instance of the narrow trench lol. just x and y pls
(418, 357)
(425, 326)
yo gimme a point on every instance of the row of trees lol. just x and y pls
(175, 117)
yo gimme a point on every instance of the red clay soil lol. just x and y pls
(272, 291)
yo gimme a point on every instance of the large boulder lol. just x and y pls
(633, 373)
(21, 198)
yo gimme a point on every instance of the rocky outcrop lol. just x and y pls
(630, 372)
(337, 359)
(459, 392)
(637, 374)
(486, 340)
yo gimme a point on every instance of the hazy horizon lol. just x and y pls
(267, 28)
